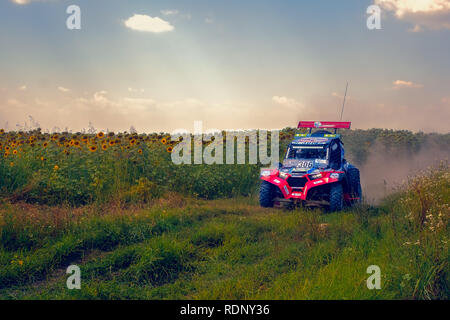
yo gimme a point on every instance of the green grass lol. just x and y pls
(232, 249)
(141, 227)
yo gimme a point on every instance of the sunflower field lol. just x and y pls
(78, 169)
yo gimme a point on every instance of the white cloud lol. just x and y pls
(23, 88)
(25, 2)
(403, 7)
(399, 84)
(21, 2)
(287, 102)
(149, 114)
(429, 14)
(62, 89)
(146, 23)
(100, 97)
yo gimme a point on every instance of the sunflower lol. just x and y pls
(140, 151)
(14, 152)
(76, 143)
(56, 167)
(169, 149)
(163, 140)
(12, 164)
(100, 135)
(93, 148)
(2, 131)
(132, 142)
(45, 144)
(104, 147)
(111, 143)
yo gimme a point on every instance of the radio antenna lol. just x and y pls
(343, 104)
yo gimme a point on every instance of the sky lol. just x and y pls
(161, 65)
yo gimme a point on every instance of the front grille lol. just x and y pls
(297, 182)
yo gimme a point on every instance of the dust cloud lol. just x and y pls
(386, 170)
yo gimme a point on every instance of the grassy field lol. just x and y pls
(140, 227)
(181, 248)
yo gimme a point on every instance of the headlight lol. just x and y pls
(284, 175)
(265, 173)
(316, 174)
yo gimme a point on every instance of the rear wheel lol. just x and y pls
(355, 185)
(266, 194)
(336, 197)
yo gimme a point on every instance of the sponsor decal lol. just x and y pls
(311, 141)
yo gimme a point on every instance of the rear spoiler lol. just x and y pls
(324, 124)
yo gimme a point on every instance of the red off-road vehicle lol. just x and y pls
(314, 172)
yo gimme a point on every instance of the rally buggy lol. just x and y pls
(314, 172)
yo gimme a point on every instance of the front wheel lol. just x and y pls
(336, 197)
(266, 194)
